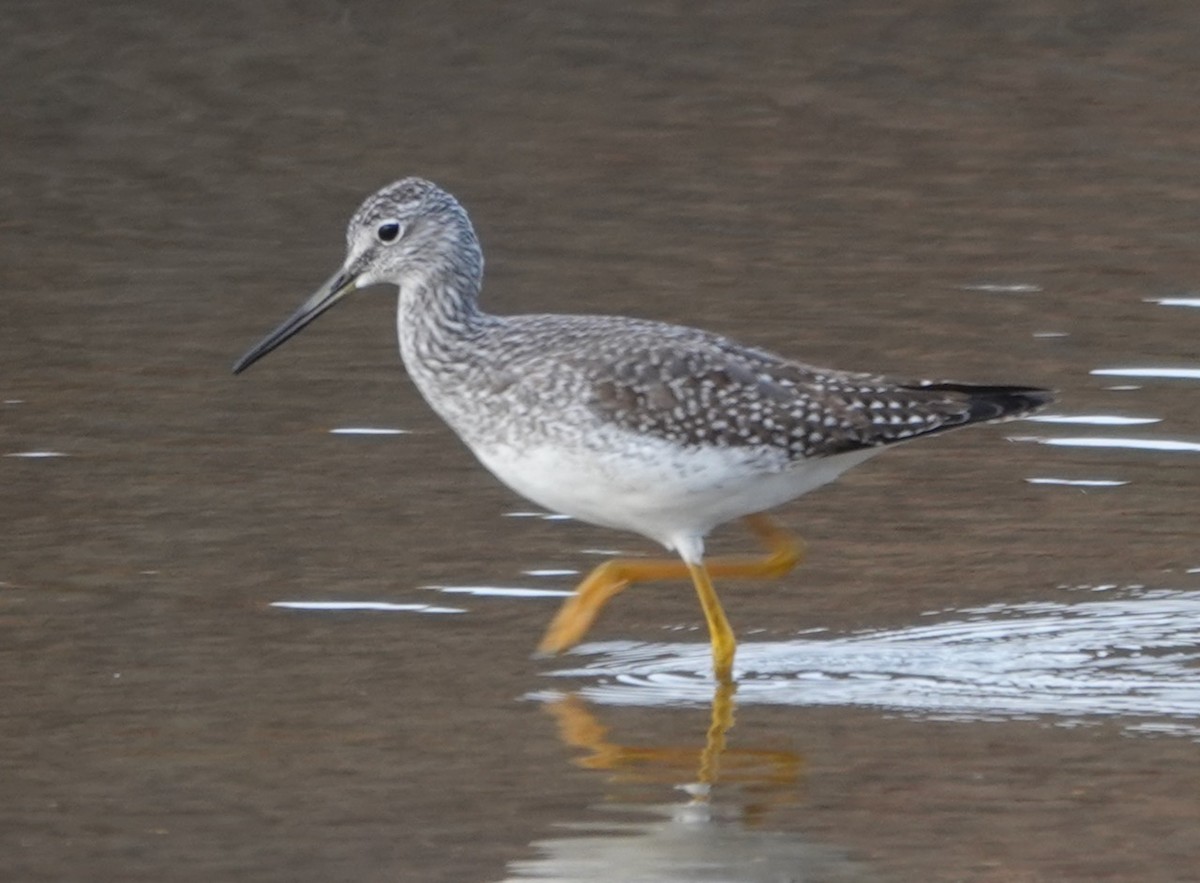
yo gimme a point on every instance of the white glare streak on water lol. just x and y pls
(1137, 444)
(1002, 287)
(1137, 656)
(1079, 482)
(1094, 419)
(1167, 373)
(500, 591)
(367, 430)
(1175, 301)
(364, 605)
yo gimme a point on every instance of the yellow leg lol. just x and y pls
(579, 611)
(784, 552)
(724, 645)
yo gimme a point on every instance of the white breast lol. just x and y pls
(657, 489)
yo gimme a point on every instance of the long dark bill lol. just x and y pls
(325, 297)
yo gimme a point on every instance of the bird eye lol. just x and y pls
(388, 231)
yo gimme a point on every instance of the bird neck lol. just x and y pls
(438, 316)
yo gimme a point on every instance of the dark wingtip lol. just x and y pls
(997, 402)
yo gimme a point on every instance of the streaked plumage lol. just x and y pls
(664, 430)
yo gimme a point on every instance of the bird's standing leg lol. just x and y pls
(580, 610)
(724, 644)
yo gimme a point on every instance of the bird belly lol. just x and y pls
(659, 490)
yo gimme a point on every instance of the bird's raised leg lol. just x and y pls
(580, 610)
(784, 552)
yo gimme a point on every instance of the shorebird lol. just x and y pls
(659, 429)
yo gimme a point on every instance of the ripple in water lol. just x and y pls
(1136, 657)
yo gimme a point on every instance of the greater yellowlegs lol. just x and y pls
(658, 429)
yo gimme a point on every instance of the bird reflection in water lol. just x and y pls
(697, 838)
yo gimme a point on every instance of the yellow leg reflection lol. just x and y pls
(579, 611)
(714, 741)
(763, 772)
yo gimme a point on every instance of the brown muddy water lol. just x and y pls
(987, 670)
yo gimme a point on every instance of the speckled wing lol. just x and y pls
(700, 389)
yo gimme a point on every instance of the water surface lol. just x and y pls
(279, 627)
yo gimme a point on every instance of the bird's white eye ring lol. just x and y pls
(389, 231)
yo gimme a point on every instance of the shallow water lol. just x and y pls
(279, 627)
